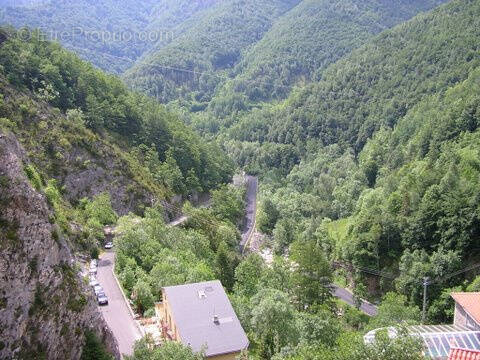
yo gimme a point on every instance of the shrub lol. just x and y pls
(77, 303)
(4, 181)
(94, 349)
(34, 177)
(149, 313)
(94, 253)
(7, 123)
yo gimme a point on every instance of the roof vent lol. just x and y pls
(209, 289)
(201, 294)
(216, 320)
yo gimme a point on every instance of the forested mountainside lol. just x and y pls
(211, 47)
(277, 43)
(406, 202)
(110, 34)
(369, 169)
(84, 136)
(372, 87)
(177, 158)
(303, 42)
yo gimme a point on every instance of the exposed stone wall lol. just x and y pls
(45, 305)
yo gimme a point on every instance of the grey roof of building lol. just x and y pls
(193, 308)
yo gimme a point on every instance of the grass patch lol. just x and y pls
(338, 232)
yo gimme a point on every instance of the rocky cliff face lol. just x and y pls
(84, 164)
(45, 306)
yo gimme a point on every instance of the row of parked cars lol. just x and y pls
(102, 298)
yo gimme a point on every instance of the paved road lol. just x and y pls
(116, 313)
(346, 296)
(251, 209)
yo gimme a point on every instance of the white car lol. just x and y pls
(93, 282)
(98, 289)
(94, 263)
(93, 272)
(109, 245)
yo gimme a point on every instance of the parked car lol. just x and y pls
(102, 298)
(98, 289)
(94, 262)
(109, 245)
(93, 282)
(93, 272)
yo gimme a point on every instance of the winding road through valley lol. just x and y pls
(118, 314)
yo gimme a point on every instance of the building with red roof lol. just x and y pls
(467, 310)
(463, 354)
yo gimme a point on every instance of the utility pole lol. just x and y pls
(425, 284)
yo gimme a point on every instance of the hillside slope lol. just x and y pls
(72, 158)
(372, 87)
(96, 108)
(311, 36)
(208, 49)
(110, 35)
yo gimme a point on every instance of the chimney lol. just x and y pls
(216, 320)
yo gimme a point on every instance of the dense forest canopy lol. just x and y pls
(308, 38)
(211, 47)
(387, 149)
(110, 34)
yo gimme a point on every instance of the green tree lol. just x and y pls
(394, 310)
(312, 274)
(359, 294)
(248, 274)
(267, 216)
(169, 350)
(94, 349)
(100, 209)
(225, 266)
(143, 297)
(474, 286)
(273, 321)
(319, 328)
(228, 203)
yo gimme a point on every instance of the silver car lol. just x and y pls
(102, 298)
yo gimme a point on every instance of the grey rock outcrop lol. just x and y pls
(45, 306)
